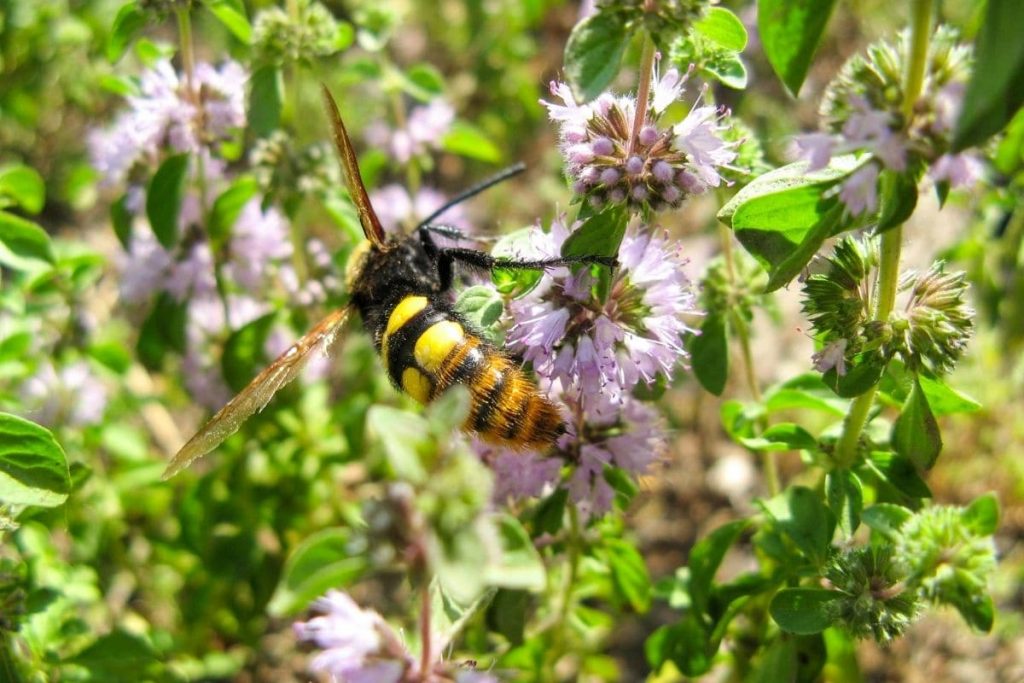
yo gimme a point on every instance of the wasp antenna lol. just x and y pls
(498, 177)
(372, 228)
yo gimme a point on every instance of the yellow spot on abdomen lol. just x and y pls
(434, 345)
(416, 384)
(404, 311)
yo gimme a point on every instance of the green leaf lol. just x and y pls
(804, 392)
(790, 33)
(862, 374)
(622, 482)
(24, 186)
(782, 217)
(265, 98)
(799, 513)
(782, 437)
(629, 574)
(163, 329)
(600, 235)
(549, 514)
(521, 566)
(121, 219)
(776, 663)
(804, 610)
(400, 434)
(515, 282)
(507, 615)
(327, 559)
(845, 497)
(593, 53)
(427, 79)
(996, 89)
(243, 355)
(709, 353)
(122, 86)
(705, 559)
(483, 306)
(449, 616)
(791, 266)
(723, 28)
(886, 518)
(728, 68)
(916, 432)
(897, 198)
(227, 207)
(978, 611)
(117, 657)
(149, 52)
(129, 21)
(33, 467)
(469, 141)
(23, 243)
(164, 197)
(900, 473)
(231, 13)
(685, 644)
(982, 515)
(798, 659)
(944, 399)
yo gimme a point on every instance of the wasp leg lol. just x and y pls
(446, 258)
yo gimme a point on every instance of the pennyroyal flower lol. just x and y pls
(603, 349)
(655, 167)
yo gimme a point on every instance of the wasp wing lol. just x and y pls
(372, 228)
(259, 391)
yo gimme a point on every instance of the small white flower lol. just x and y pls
(816, 148)
(860, 191)
(959, 170)
(832, 355)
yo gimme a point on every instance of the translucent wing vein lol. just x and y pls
(259, 391)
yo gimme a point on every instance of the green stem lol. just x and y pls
(413, 174)
(643, 89)
(739, 326)
(557, 648)
(426, 656)
(913, 79)
(892, 240)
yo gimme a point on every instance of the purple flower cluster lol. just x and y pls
(358, 645)
(70, 397)
(167, 114)
(603, 349)
(590, 354)
(425, 127)
(863, 113)
(399, 210)
(654, 167)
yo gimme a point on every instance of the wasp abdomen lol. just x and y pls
(426, 350)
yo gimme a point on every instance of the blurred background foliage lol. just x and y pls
(138, 579)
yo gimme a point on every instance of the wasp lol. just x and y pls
(401, 289)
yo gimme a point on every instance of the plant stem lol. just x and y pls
(425, 655)
(188, 65)
(557, 647)
(643, 89)
(739, 325)
(892, 240)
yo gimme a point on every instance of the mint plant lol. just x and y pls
(188, 222)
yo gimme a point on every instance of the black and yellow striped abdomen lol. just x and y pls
(426, 349)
